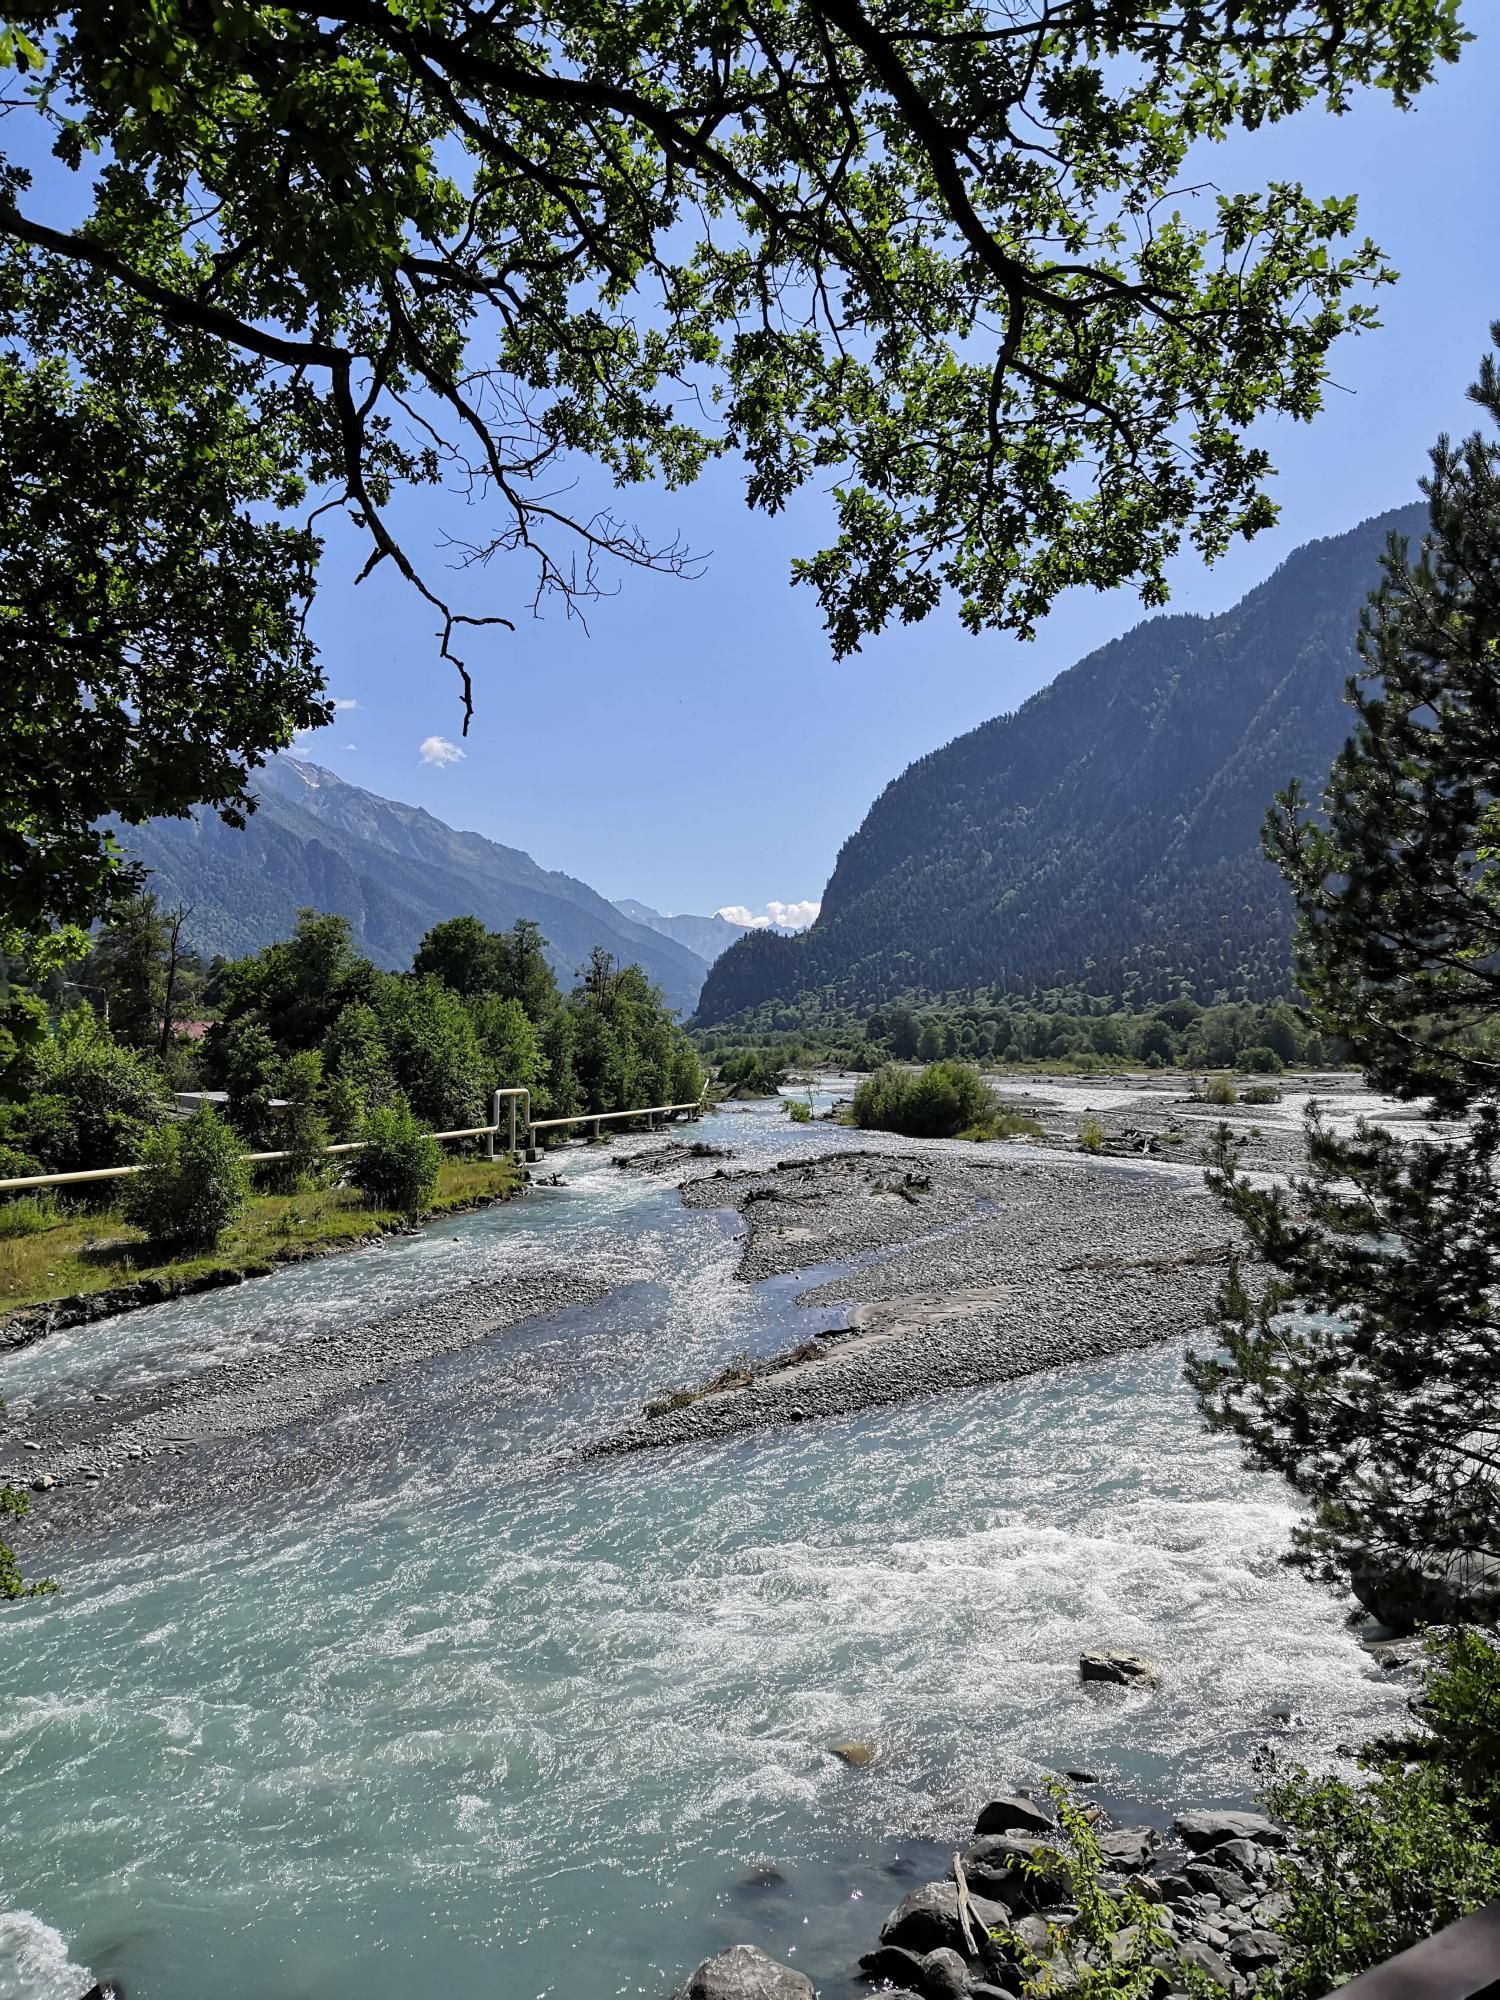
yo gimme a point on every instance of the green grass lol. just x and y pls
(93, 1250)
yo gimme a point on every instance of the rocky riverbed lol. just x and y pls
(85, 1444)
(972, 1273)
(1199, 1902)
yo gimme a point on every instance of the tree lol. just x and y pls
(196, 1182)
(507, 1041)
(295, 988)
(460, 952)
(302, 1128)
(93, 1103)
(397, 1167)
(128, 970)
(1367, 1368)
(521, 970)
(890, 248)
(175, 919)
(246, 1060)
(433, 1053)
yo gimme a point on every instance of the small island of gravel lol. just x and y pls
(966, 1273)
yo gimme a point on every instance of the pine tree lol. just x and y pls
(1368, 1368)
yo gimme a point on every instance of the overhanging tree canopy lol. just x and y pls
(933, 255)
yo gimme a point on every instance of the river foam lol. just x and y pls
(481, 1714)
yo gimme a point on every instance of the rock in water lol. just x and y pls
(1111, 1663)
(928, 1919)
(856, 1754)
(1200, 1830)
(745, 1973)
(1129, 1847)
(1010, 1813)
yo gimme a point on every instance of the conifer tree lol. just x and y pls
(1368, 1368)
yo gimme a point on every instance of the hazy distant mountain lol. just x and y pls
(1105, 835)
(393, 870)
(706, 937)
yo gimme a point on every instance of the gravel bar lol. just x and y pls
(996, 1271)
(84, 1444)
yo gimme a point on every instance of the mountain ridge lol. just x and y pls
(392, 869)
(706, 937)
(1104, 836)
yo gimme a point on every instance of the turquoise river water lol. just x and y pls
(450, 1709)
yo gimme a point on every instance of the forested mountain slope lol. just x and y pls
(1105, 836)
(393, 870)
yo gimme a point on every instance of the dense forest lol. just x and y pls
(309, 1033)
(1179, 1034)
(1105, 837)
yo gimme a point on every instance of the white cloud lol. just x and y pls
(784, 916)
(438, 750)
(341, 707)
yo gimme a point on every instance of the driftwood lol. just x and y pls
(964, 1911)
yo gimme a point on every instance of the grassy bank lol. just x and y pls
(89, 1251)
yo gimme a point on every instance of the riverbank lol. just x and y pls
(83, 1445)
(73, 1272)
(968, 1275)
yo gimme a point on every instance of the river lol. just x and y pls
(476, 1714)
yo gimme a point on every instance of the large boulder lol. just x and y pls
(745, 1973)
(1253, 1951)
(1114, 1664)
(1244, 1857)
(1206, 1959)
(1128, 1847)
(1016, 1869)
(1202, 1829)
(944, 1976)
(928, 1920)
(1461, 1588)
(1014, 1813)
(894, 1965)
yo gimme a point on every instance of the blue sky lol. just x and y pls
(698, 746)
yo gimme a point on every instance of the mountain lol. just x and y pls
(391, 869)
(706, 937)
(1104, 836)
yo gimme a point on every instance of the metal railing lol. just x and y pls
(511, 1097)
(1459, 1963)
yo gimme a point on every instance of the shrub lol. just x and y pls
(798, 1110)
(28, 1214)
(1091, 1136)
(398, 1164)
(1388, 1861)
(95, 1104)
(1262, 1062)
(1215, 1090)
(939, 1102)
(12, 1583)
(196, 1182)
(751, 1073)
(1260, 1093)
